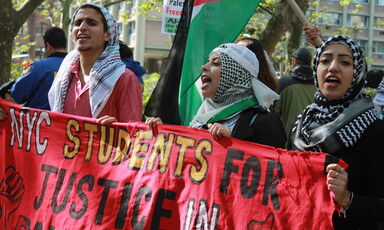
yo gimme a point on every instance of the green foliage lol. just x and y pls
(379, 23)
(344, 2)
(150, 82)
(150, 5)
(17, 3)
(16, 71)
(371, 92)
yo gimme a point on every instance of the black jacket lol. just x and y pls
(365, 179)
(260, 126)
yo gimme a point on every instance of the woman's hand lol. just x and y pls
(337, 181)
(105, 120)
(152, 122)
(218, 130)
(312, 33)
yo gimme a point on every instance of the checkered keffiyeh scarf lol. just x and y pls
(234, 85)
(103, 76)
(327, 125)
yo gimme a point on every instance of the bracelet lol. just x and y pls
(344, 210)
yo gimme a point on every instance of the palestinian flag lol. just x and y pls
(212, 22)
(164, 99)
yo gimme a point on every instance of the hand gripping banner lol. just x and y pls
(66, 172)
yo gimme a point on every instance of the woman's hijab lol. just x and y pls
(330, 125)
(238, 87)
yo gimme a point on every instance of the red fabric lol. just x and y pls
(125, 102)
(59, 171)
(200, 2)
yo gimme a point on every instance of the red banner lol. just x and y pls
(66, 172)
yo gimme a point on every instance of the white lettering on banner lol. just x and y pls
(33, 121)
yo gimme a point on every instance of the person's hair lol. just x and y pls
(6, 88)
(265, 74)
(86, 6)
(125, 51)
(55, 37)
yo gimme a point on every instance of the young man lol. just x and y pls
(92, 80)
(31, 90)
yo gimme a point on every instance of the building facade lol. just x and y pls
(31, 35)
(142, 33)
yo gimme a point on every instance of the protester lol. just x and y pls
(31, 90)
(296, 89)
(93, 80)
(5, 91)
(267, 73)
(341, 122)
(236, 101)
(26, 65)
(374, 76)
(127, 57)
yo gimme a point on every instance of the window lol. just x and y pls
(331, 19)
(131, 28)
(378, 47)
(379, 2)
(24, 30)
(120, 7)
(362, 43)
(154, 65)
(39, 53)
(41, 28)
(360, 1)
(357, 21)
(378, 23)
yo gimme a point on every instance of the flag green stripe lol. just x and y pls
(235, 108)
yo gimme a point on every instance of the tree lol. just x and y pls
(270, 24)
(12, 17)
(279, 23)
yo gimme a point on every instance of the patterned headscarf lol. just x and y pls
(326, 125)
(379, 97)
(238, 85)
(234, 84)
(103, 76)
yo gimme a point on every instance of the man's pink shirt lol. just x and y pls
(125, 102)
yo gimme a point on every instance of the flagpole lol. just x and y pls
(303, 18)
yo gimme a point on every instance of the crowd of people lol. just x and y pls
(320, 109)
